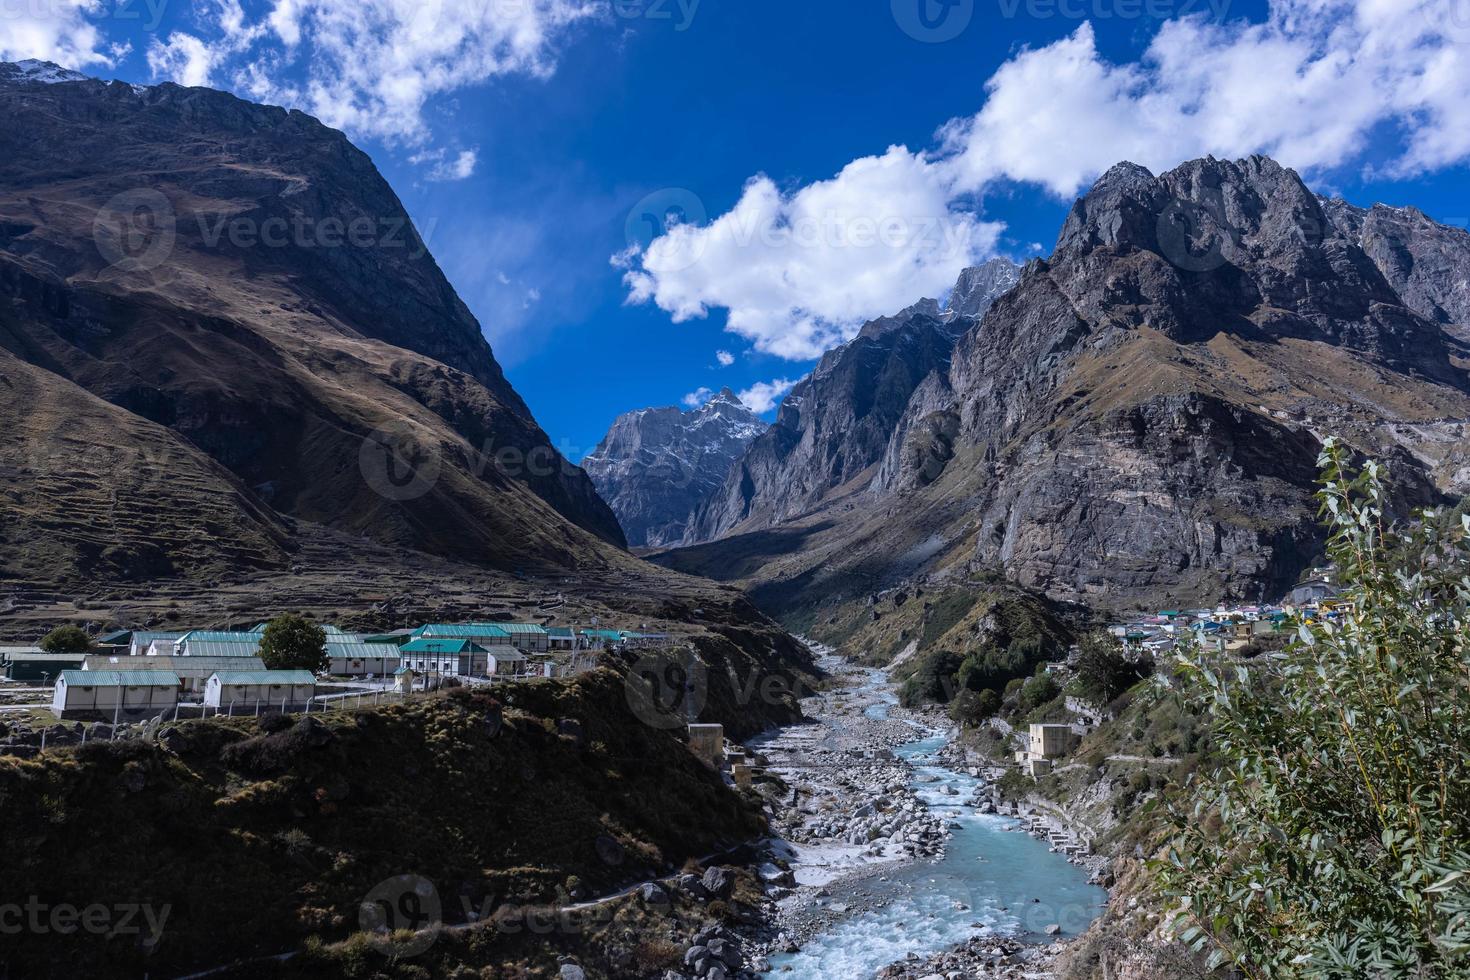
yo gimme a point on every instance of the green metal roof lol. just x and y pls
(353, 649)
(613, 635)
(144, 637)
(217, 648)
(462, 630)
(386, 639)
(283, 678)
(184, 666)
(447, 645)
(120, 678)
(220, 636)
(564, 632)
(116, 638)
(534, 629)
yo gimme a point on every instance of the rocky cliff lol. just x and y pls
(1137, 419)
(227, 314)
(834, 427)
(657, 466)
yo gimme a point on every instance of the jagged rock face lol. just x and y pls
(1115, 471)
(981, 286)
(1137, 420)
(242, 277)
(657, 466)
(836, 425)
(1427, 263)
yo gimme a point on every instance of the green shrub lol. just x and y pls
(66, 639)
(970, 708)
(1038, 691)
(1103, 672)
(933, 682)
(1332, 841)
(292, 643)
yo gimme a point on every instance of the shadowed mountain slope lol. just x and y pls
(243, 312)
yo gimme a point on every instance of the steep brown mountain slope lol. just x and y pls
(233, 314)
(1137, 420)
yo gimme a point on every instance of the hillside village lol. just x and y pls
(1242, 630)
(130, 675)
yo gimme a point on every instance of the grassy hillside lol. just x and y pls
(259, 837)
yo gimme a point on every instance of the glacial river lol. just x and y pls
(993, 878)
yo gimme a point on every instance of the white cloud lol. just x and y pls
(62, 31)
(1317, 85)
(697, 397)
(183, 58)
(459, 168)
(801, 271)
(371, 67)
(763, 396)
(724, 357)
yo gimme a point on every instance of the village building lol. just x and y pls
(354, 658)
(485, 634)
(1044, 745)
(707, 742)
(463, 658)
(32, 665)
(110, 694)
(193, 672)
(598, 639)
(209, 643)
(140, 642)
(527, 637)
(247, 689)
(560, 638)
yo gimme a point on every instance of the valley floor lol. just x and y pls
(889, 854)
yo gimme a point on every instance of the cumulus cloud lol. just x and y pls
(697, 397)
(724, 357)
(184, 59)
(1314, 86)
(443, 167)
(763, 396)
(62, 31)
(1317, 84)
(801, 271)
(370, 67)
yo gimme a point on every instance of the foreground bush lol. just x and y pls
(1333, 840)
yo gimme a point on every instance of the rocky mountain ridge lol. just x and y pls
(835, 425)
(1137, 420)
(656, 466)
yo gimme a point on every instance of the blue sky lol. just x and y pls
(558, 117)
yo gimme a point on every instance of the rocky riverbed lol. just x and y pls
(861, 825)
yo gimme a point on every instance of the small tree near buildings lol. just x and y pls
(66, 639)
(292, 643)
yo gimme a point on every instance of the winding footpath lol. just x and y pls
(887, 860)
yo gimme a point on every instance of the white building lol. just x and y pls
(193, 672)
(245, 689)
(352, 658)
(114, 693)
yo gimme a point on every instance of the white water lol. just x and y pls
(988, 881)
